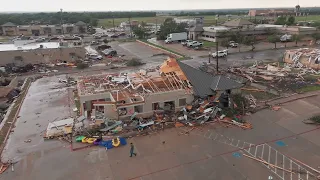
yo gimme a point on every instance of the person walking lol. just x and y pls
(132, 150)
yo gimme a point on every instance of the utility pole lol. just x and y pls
(210, 57)
(156, 26)
(217, 49)
(114, 30)
(61, 20)
(130, 26)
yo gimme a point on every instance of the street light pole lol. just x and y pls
(61, 20)
(217, 56)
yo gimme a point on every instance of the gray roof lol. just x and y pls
(237, 23)
(8, 24)
(221, 83)
(196, 29)
(80, 23)
(205, 84)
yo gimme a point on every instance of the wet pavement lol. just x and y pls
(46, 101)
(193, 156)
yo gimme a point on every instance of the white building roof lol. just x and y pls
(215, 28)
(22, 46)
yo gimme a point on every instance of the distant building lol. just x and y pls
(10, 29)
(244, 27)
(271, 12)
(190, 21)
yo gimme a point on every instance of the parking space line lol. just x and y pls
(269, 156)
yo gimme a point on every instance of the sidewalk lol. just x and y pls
(293, 97)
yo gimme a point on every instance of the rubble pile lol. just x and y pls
(286, 79)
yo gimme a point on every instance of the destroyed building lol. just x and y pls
(121, 95)
(303, 57)
(172, 87)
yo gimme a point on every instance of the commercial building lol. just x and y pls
(244, 27)
(29, 52)
(120, 96)
(303, 57)
(271, 12)
(10, 29)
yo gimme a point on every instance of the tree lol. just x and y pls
(281, 20)
(291, 20)
(249, 41)
(170, 26)
(94, 22)
(316, 36)
(273, 39)
(140, 32)
(296, 38)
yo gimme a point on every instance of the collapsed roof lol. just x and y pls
(205, 84)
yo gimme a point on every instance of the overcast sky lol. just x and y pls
(125, 5)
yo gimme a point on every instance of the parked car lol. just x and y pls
(109, 52)
(184, 43)
(40, 39)
(318, 42)
(194, 44)
(94, 56)
(103, 47)
(220, 54)
(233, 44)
(94, 43)
(114, 36)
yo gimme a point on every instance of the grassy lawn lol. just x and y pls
(308, 18)
(309, 88)
(108, 22)
(3, 39)
(209, 44)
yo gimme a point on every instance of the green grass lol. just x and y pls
(308, 18)
(209, 44)
(144, 40)
(315, 119)
(108, 22)
(309, 88)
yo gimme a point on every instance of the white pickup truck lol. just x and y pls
(184, 43)
(194, 44)
(223, 53)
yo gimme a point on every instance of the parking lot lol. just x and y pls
(162, 155)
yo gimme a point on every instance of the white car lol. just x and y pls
(233, 45)
(220, 54)
(194, 44)
(184, 43)
(94, 56)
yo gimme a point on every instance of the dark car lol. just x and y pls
(109, 52)
(114, 36)
(103, 47)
